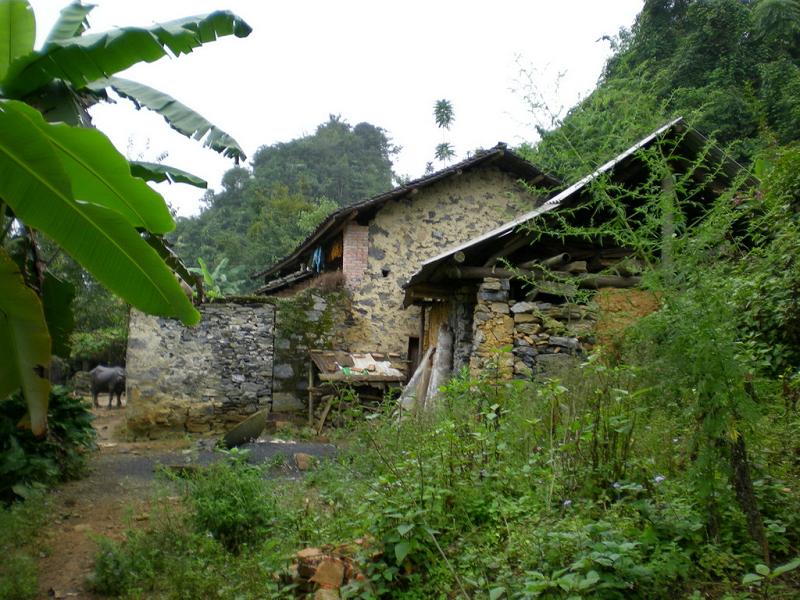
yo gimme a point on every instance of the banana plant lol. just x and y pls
(62, 179)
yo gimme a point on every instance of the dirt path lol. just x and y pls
(116, 495)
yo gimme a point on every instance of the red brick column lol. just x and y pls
(355, 248)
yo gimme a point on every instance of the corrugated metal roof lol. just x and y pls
(696, 139)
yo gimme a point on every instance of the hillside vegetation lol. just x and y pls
(729, 67)
(263, 211)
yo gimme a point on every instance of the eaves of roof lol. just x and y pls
(499, 155)
(695, 138)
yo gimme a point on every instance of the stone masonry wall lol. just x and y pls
(311, 319)
(408, 231)
(527, 338)
(199, 379)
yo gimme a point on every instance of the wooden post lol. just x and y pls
(442, 365)
(668, 224)
(311, 393)
(421, 342)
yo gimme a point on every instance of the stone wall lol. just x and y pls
(199, 379)
(406, 232)
(311, 319)
(527, 338)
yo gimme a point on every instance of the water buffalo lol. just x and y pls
(108, 379)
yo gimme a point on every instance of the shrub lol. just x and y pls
(18, 525)
(230, 501)
(26, 461)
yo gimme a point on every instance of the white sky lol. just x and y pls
(385, 63)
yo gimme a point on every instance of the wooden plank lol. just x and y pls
(361, 378)
(310, 394)
(442, 365)
(324, 414)
(408, 398)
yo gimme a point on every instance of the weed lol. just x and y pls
(230, 501)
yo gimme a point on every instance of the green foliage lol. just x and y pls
(443, 113)
(207, 550)
(340, 162)
(71, 185)
(18, 526)
(217, 283)
(729, 67)
(106, 345)
(229, 500)
(444, 152)
(444, 116)
(27, 462)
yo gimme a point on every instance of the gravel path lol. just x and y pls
(140, 465)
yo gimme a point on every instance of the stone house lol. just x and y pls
(527, 299)
(376, 244)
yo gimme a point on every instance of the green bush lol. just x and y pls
(18, 526)
(231, 501)
(25, 461)
(107, 346)
(172, 558)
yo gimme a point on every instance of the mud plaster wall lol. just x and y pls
(408, 231)
(309, 320)
(199, 379)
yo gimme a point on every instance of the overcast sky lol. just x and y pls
(380, 62)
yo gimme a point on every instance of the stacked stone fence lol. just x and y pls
(199, 379)
(242, 357)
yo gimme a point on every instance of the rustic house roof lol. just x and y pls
(691, 142)
(499, 156)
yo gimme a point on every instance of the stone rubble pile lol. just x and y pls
(320, 573)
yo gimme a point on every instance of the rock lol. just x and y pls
(304, 461)
(565, 342)
(525, 317)
(490, 296)
(525, 351)
(308, 553)
(499, 307)
(553, 364)
(523, 307)
(247, 430)
(284, 371)
(329, 574)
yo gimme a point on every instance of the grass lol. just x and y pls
(578, 488)
(19, 525)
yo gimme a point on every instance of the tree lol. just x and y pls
(261, 214)
(69, 184)
(730, 68)
(340, 162)
(444, 116)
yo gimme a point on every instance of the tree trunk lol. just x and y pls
(745, 495)
(408, 398)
